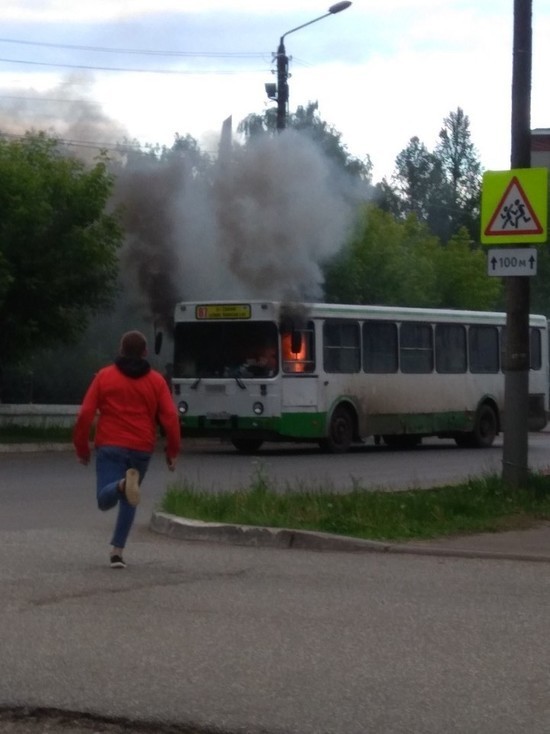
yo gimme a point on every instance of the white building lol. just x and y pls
(540, 147)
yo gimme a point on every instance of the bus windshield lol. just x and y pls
(226, 349)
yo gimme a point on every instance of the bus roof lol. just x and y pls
(232, 310)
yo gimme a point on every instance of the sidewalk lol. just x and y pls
(235, 635)
(532, 544)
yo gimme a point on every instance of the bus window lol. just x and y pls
(416, 348)
(450, 348)
(342, 346)
(535, 349)
(298, 353)
(225, 349)
(483, 348)
(380, 347)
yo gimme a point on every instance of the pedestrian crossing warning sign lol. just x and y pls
(514, 206)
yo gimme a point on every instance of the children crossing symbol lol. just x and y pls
(514, 206)
(514, 213)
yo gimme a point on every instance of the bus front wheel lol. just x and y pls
(485, 430)
(340, 432)
(247, 445)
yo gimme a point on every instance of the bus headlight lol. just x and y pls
(258, 408)
(182, 407)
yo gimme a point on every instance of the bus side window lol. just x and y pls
(341, 346)
(297, 351)
(380, 346)
(416, 347)
(535, 349)
(483, 349)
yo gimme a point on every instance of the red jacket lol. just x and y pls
(131, 399)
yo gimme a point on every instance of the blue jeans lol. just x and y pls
(111, 464)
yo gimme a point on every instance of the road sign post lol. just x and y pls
(514, 212)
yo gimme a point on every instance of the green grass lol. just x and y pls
(31, 434)
(479, 505)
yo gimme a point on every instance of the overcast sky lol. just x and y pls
(382, 70)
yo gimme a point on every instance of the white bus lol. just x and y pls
(332, 374)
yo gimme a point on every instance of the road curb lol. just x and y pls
(285, 538)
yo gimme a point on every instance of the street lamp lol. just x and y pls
(282, 66)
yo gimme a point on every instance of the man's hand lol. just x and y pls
(83, 460)
(171, 462)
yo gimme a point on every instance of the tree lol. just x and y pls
(58, 246)
(391, 261)
(420, 186)
(462, 276)
(387, 262)
(441, 187)
(308, 121)
(461, 168)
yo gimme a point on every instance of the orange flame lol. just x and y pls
(295, 361)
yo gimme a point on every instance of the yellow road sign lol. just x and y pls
(514, 206)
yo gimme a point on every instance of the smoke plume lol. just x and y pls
(66, 112)
(258, 226)
(257, 223)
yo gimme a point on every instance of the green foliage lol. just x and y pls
(462, 276)
(442, 187)
(393, 262)
(540, 285)
(461, 168)
(58, 246)
(479, 505)
(308, 121)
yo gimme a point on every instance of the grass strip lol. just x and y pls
(479, 505)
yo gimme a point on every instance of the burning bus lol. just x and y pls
(332, 374)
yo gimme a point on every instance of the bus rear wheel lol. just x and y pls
(340, 432)
(247, 445)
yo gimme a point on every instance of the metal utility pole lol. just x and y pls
(516, 399)
(282, 85)
(282, 65)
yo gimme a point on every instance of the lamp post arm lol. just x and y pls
(302, 26)
(336, 8)
(282, 63)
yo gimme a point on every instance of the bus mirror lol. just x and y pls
(296, 342)
(158, 342)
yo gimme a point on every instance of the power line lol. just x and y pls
(118, 68)
(116, 146)
(143, 52)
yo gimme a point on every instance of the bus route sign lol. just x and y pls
(222, 311)
(514, 206)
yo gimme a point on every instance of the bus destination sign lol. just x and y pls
(222, 311)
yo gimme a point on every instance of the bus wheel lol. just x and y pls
(340, 432)
(247, 445)
(485, 430)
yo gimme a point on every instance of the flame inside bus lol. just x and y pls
(294, 352)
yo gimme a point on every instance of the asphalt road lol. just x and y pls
(200, 637)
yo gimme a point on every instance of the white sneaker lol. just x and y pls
(131, 487)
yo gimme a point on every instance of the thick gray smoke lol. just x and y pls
(279, 216)
(258, 227)
(65, 112)
(256, 224)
